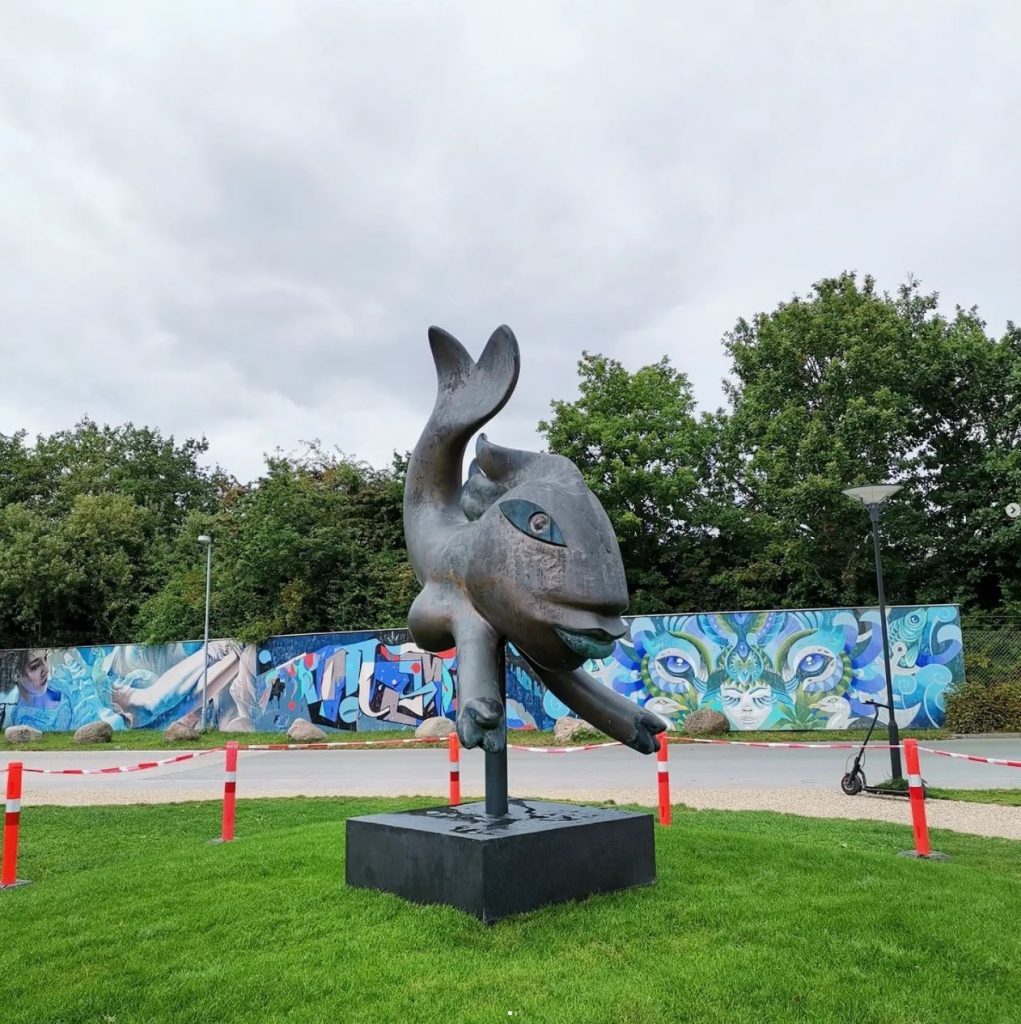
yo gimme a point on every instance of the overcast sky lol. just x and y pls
(238, 220)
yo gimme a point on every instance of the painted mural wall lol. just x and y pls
(804, 669)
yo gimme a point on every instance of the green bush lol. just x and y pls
(979, 706)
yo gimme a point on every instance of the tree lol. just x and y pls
(851, 386)
(636, 440)
(87, 519)
(316, 544)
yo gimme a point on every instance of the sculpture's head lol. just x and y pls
(543, 565)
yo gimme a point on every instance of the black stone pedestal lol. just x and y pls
(538, 853)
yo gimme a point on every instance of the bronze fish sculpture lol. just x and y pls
(522, 552)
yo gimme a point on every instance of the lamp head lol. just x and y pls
(204, 538)
(873, 495)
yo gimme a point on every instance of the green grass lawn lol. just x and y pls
(1008, 797)
(152, 739)
(756, 918)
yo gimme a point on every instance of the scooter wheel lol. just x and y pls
(852, 783)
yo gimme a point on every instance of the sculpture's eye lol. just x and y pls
(538, 523)
(527, 517)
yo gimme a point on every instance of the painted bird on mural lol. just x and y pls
(521, 551)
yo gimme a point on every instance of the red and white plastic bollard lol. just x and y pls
(12, 821)
(230, 784)
(916, 795)
(454, 756)
(663, 776)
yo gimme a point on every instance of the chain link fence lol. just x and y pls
(990, 698)
(993, 656)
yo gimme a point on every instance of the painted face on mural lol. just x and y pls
(746, 706)
(35, 675)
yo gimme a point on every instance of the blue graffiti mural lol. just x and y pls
(363, 681)
(805, 669)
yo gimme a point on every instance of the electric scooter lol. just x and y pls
(853, 781)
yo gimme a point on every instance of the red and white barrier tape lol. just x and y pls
(141, 767)
(1003, 762)
(145, 765)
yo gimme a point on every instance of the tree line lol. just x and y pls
(737, 508)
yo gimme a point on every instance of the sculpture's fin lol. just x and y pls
(495, 470)
(479, 492)
(472, 393)
(468, 394)
(507, 465)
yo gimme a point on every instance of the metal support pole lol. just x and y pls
(496, 764)
(205, 643)
(892, 731)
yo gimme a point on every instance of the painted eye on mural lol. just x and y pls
(674, 665)
(817, 670)
(813, 663)
(675, 669)
(735, 696)
(532, 520)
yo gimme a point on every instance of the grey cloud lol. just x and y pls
(239, 219)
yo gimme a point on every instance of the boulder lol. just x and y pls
(303, 731)
(567, 729)
(181, 730)
(434, 728)
(94, 732)
(22, 734)
(706, 722)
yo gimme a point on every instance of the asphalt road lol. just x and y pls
(420, 771)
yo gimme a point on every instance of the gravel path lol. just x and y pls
(978, 819)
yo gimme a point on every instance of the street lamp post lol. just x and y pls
(873, 498)
(208, 541)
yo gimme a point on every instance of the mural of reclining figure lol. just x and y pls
(521, 551)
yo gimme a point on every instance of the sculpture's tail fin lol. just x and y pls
(471, 393)
(468, 395)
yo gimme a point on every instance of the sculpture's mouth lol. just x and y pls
(590, 643)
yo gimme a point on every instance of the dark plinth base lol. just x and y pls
(539, 853)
